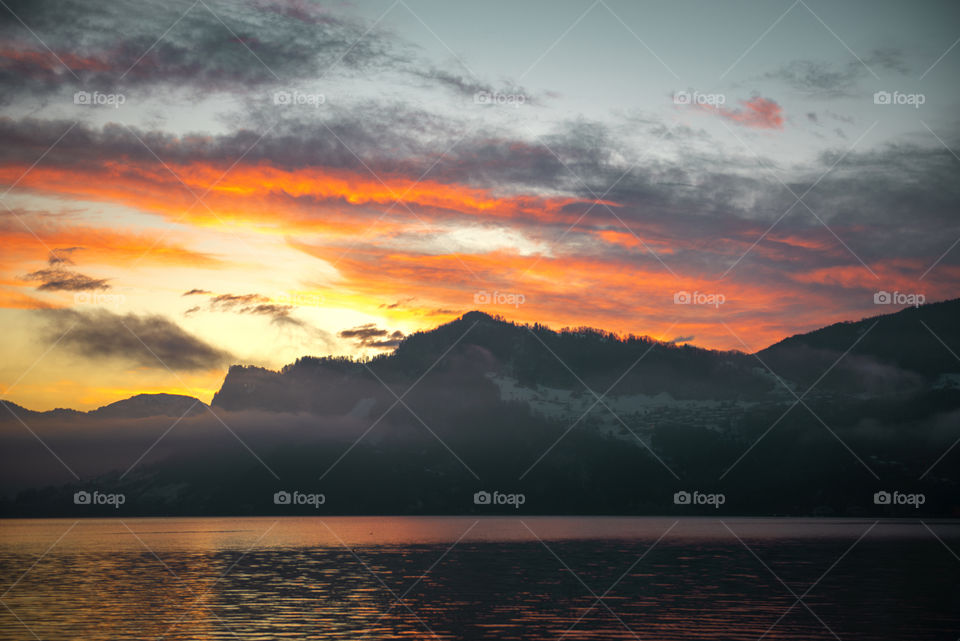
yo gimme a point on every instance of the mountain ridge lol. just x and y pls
(579, 420)
(800, 358)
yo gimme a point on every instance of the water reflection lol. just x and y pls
(397, 578)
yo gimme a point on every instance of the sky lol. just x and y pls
(190, 185)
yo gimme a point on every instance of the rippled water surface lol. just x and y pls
(461, 578)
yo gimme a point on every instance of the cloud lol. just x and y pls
(195, 292)
(217, 46)
(62, 255)
(397, 304)
(245, 48)
(370, 335)
(65, 280)
(227, 302)
(758, 112)
(146, 341)
(819, 78)
(59, 278)
(830, 80)
(259, 305)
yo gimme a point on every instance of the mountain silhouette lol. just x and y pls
(580, 420)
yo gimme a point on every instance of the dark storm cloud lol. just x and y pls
(146, 341)
(370, 335)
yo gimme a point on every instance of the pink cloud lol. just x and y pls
(760, 113)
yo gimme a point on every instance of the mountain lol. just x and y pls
(481, 350)
(144, 405)
(553, 372)
(893, 353)
(579, 420)
(138, 406)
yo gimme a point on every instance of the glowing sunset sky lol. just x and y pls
(253, 181)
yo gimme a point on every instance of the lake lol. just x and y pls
(490, 578)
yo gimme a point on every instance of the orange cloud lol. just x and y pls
(595, 290)
(115, 247)
(283, 200)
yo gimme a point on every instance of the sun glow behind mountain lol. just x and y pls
(287, 181)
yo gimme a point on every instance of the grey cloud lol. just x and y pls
(147, 341)
(370, 335)
(58, 277)
(259, 305)
(245, 48)
(830, 80)
(723, 195)
(230, 301)
(255, 44)
(65, 280)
